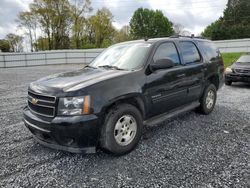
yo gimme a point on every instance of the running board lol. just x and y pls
(163, 117)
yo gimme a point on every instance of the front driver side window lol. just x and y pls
(167, 51)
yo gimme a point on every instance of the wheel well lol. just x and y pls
(214, 80)
(135, 101)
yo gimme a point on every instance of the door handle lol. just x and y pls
(205, 69)
(181, 75)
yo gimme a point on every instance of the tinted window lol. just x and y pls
(167, 51)
(209, 49)
(189, 52)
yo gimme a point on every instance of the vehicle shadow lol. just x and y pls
(240, 85)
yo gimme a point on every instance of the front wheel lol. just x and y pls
(208, 99)
(122, 129)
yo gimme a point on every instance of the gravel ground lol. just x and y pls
(189, 151)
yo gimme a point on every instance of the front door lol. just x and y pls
(166, 89)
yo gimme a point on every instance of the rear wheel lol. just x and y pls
(208, 99)
(122, 129)
(228, 83)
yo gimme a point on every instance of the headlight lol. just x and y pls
(74, 105)
(228, 70)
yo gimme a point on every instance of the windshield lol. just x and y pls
(244, 59)
(127, 56)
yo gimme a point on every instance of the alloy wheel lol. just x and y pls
(210, 99)
(125, 130)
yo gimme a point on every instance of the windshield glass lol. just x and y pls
(127, 56)
(244, 59)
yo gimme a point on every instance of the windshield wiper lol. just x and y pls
(110, 67)
(90, 67)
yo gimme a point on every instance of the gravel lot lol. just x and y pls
(189, 151)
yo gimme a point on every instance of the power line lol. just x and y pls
(158, 2)
(122, 6)
(125, 8)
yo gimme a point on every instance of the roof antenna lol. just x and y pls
(192, 36)
(146, 39)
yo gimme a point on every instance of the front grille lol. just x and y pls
(42, 104)
(242, 71)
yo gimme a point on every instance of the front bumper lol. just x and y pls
(76, 134)
(237, 77)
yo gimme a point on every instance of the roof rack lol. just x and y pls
(192, 36)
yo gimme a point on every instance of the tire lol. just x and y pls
(122, 129)
(208, 99)
(228, 83)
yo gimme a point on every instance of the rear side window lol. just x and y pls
(190, 53)
(209, 49)
(167, 51)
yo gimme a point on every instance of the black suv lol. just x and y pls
(239, 71)
(129, 85)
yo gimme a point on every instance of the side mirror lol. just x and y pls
(162, 64)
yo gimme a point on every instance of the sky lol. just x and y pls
(194, 15)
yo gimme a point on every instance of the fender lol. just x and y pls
(137, 98)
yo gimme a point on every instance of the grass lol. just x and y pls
(229, 58)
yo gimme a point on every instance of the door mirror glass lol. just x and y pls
(162, 64)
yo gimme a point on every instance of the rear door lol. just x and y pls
(166, 89)
(194, 69)
(213, 60)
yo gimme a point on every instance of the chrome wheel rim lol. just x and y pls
(125, 130)
(210, 99)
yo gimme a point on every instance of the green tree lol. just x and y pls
(234, 24)
(149, 23)
(123, 34)
(42, 44)
(78, 9)
(55, 21)
(4, 45)
(88, 38)
(16, 42)
(28, 20)
(214, 30)
(101, 24)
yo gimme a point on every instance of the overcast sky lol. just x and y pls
(194, 15)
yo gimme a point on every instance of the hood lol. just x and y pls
(240, 65)
(71, 81)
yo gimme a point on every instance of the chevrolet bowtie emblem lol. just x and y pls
(34, 101)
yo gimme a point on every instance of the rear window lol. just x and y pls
(209, 49)
(190, 53)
